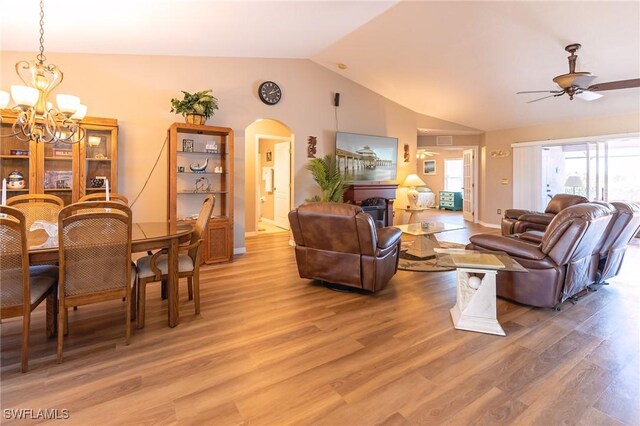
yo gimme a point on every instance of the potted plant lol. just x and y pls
(195, 107)
(326, 174)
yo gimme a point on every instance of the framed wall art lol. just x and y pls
(429, 167)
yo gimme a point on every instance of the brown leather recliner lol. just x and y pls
(560, 265)
(624, 226)
(516, 221)
(340, 244)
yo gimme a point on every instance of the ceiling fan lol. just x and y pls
(423, 153)
(578, 84)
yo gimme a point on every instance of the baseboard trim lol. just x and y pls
(239, 250)
(251, 233)
(489, 225)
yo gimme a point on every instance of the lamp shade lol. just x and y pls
(24, 96)
(4, 99)
(413, 180)
(68, 104)
(574, 181)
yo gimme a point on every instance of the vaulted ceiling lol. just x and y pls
(457, 61)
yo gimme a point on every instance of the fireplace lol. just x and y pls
(375, 199)
(377, 209)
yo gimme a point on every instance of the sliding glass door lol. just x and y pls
(605, 170)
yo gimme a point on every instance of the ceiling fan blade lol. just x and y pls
(587, 95)
(541, 91)
(613, 85)
(545, 97)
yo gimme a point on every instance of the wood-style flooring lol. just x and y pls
(270, 348)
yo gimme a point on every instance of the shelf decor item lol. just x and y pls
(195, 107)
(187, 145)
(197, 168)
(15, 180)
(97, 182)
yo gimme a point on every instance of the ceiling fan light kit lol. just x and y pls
(578, 84)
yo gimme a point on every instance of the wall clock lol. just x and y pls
(269, 93)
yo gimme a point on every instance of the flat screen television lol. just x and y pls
(366, 158)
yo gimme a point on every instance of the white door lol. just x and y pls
(282, 184)
(467, 186)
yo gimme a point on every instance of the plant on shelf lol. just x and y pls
(326, 174)
(195, 107)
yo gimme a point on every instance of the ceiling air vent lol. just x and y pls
(444, 140)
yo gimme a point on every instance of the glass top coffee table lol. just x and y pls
(475, 308)
(425, 232)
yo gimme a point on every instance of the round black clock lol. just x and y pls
(269, 93)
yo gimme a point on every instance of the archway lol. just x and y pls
(268, 159)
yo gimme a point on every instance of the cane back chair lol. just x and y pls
(43, 207)
(101, 196)
(23, 288)
(156, 267)
(94, 241)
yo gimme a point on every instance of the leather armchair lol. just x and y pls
(560, 266)
(516, 221)
(340, 244)
(624, 226)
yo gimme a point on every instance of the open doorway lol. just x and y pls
(451, 173)
(268, 177)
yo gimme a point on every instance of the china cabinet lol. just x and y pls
(68, 171)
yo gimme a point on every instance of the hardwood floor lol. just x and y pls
(271, 348)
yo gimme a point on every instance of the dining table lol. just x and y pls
(144, 236)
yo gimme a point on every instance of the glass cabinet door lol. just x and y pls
(16, 163)
(98, 160)
(58, 170)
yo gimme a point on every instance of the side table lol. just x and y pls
(475, 308)
(414, 213)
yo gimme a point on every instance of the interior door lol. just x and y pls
(282, 184)
(467, 186)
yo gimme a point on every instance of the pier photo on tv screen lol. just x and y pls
(366, 158)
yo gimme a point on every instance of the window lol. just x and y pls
(453, 175)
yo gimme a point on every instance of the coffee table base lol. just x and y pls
(423, 246)
(475, 309)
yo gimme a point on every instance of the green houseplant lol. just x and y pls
(326, 174)
(195, 107)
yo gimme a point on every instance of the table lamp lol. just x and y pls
(574, 181)
(412, 195)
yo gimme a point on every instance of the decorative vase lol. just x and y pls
(198, 119)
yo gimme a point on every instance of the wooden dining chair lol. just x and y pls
(94, 242)
(23, 288)
(101, 196)
(37, 207)
(155, 267)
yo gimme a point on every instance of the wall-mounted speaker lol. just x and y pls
(336, 100)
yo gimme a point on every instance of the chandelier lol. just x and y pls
(36, 117)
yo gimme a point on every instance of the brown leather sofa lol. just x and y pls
(517, 221)
(339, 244)
(560, 266)
(624, 226)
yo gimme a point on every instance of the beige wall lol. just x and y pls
(493, 170)
(136, 90)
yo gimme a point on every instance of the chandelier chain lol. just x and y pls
(41, 57)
